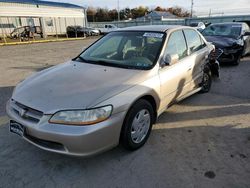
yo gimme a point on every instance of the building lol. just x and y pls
(157, 16)
(52, 17)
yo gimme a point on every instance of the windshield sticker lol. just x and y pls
(153, 35)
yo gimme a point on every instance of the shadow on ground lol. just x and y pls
(231, 110)
(190, 156)
(5, 94)
(34, 68)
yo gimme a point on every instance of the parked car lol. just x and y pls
(76, 31)
(107, 28)
(113, 91)
(200, 26)
(79, 31)
(26, 32)
(232, 38)
(92, 31)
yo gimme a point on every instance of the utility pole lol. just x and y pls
(192, 6)
(118, 10)
(210, 11)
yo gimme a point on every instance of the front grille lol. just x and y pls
(45, 143)
(215, 54)
(26, 112)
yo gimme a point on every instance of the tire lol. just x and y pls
(206, 80)
(137, 125)
(237, 61)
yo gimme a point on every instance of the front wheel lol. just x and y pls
(137, 125)
(206, 80)
(237, 60)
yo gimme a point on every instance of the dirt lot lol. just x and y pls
(202, 142)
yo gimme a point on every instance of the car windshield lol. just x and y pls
(230, 30)
(135, 50)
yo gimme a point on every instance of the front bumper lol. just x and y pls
(68, 139)
(230, 55)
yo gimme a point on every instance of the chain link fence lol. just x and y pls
(130, 23)
(184, 21)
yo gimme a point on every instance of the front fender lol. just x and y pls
(214, 67)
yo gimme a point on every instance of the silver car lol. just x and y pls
(113, 91)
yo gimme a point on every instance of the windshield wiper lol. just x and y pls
(106, 63)
(98, 62)
(81, 58)
(101, 62)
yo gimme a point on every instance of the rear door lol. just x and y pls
(173, 78)
(198, 52)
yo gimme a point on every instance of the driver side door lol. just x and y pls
(174, 78)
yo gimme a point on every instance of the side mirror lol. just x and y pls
(170, 59)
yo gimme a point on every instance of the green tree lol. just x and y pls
(139, 11)
(158, 8)
(102, 15)
(91, 14)
(113, 15)
(179, 11)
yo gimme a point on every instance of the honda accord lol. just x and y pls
(113, 91)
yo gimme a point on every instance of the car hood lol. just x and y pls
(74, 85)
(221, 42)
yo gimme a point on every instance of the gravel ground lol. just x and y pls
(204, 141)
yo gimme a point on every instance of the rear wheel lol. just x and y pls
(206, 80)
(137, 125)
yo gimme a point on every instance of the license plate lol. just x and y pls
(16, 128)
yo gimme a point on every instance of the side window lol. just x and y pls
(194, 40)
(177, 45)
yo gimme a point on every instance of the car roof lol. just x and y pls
(155, 28)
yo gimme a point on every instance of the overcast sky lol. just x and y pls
(200, 6)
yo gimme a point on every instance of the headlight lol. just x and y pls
(240, 42)
(82, 117)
